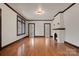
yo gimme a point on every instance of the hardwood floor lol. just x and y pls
(39, 46)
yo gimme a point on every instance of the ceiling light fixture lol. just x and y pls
(39, 11)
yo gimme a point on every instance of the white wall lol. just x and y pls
(58, 19)
(60, 33)
(39, 27)
(71, 19)
(9, 26)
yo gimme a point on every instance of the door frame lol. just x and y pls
(49, 29)
(0, 27)
(28, 28)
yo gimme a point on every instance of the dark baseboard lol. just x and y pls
(71, 44)
(13, 43)
(42, 36)
(39, 36)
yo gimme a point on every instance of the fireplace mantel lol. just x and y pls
(59, 29)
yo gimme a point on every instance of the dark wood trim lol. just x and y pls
(39, 36)
(44, 30)
(59, 29)
(69, 7)
(43, 36)
(28, 28)
(65, 9)
(58, 13)
(21, 25)
(0, 27)
(13, 42)
(21, 15)
(50, 28)
(14, 10)
(38, 20)
(71, 44)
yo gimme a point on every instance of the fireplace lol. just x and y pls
(59, 35)
(55, 36)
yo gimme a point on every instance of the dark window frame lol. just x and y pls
(23, 22)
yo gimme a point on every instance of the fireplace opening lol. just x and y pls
(55, 36)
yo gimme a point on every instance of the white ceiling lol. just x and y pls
(28, 9)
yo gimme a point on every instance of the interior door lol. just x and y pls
(0, 28)
(47, 30)
(31, 30)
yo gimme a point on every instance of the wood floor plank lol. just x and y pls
(39, 46)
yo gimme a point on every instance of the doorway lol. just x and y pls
(31, 30)
(0, 28)
(47, 30)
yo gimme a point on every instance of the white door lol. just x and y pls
(31, 30)
(47, 30)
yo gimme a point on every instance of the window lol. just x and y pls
(20, 26)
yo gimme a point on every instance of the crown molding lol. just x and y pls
(15, 11)
(40, 20)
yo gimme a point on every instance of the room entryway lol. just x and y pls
(47, 30)
(31, 30)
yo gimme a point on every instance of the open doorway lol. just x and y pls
(47, 30)
(31, 30)
(0, 29)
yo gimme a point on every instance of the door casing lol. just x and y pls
(28, 28)
(49, 29)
